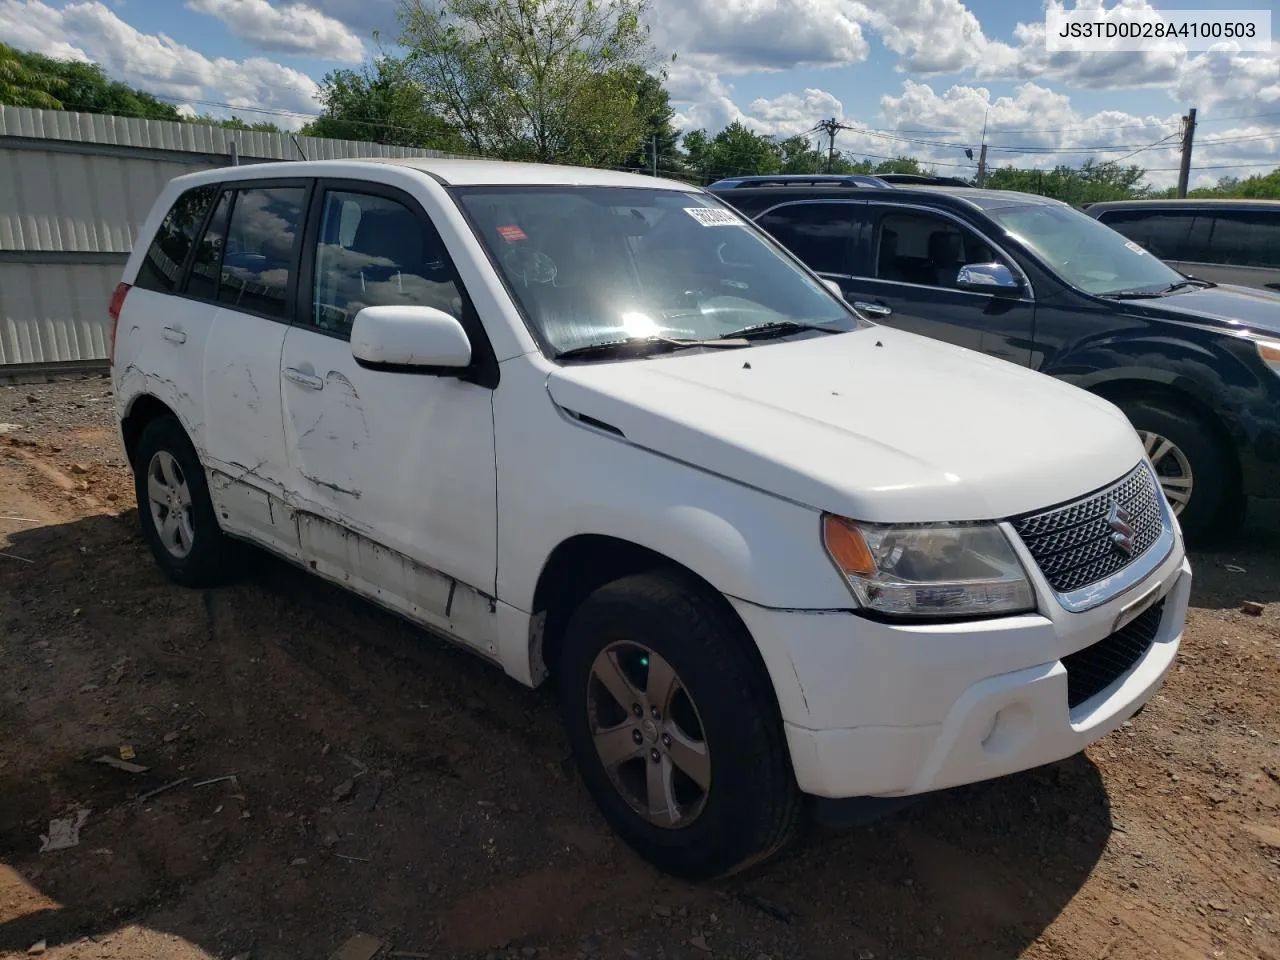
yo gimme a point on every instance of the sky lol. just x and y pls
(916, 77)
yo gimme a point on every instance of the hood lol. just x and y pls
(875, 424)
(1246, 308)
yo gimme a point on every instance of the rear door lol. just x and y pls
(907, 279)
(161, 335)
(246, 268)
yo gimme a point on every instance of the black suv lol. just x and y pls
(1194, 365)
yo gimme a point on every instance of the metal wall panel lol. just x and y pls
(55, 312)
(76, 183)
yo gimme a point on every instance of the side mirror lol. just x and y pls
(989, 277)
(409, 339)
(833, 286)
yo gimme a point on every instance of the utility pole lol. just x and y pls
(829, 127)
(653, 153)
(982, 154)
(1188, 136)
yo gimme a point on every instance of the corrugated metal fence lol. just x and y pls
(74, 190)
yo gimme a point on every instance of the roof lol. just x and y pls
(800, 179)
(454, 172)
(755, 199)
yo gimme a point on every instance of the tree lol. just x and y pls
(797, 154)
(1091, 182)
(379, 103)
(733, 152)
(23, 84)
(653, 104)
(545, 80)
(235, 123)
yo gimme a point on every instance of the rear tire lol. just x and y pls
(175, 510)
(1181, 442)
(704, 786)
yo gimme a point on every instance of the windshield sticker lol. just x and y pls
(1136, 248)
(511, 233)
(713, 217)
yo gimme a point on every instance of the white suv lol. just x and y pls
(594, 426)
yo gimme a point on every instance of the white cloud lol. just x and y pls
(736, 36)
(1229, 79)
(291, 28)
(156, 62)
(934, 36)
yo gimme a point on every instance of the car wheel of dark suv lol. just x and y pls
(1194, 468)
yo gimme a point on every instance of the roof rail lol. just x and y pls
(921, 179)
(800, 179)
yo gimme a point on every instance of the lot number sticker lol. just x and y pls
(712, 217)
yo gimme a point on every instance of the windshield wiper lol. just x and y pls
(1133, 294)
(642, 345)
(775, 328)
(1188, 282)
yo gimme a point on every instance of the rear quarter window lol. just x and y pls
(161, 268)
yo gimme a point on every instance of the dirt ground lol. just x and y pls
(386, 784)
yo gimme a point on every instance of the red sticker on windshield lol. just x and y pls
(511, 233)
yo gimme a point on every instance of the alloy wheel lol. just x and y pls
(1172, 467)
(169, 498)
(648, 734)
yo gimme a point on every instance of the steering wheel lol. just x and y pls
(532, 266)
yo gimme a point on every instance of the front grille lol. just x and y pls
(1073, 545)
(1093, 669)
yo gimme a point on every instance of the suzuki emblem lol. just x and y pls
(1118, 519)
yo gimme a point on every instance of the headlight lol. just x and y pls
(929, 570)
(1269, 350)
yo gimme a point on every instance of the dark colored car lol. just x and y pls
(1227, 241)
(1193, 364)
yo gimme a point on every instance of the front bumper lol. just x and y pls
(875, 709)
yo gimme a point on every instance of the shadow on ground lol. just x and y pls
(387, 783)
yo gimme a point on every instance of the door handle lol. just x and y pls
(173, 335)
(875, 309)
(303, 379)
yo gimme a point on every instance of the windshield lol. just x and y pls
(600, 265)
(1087, 254)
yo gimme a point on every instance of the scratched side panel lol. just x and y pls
(396, 581)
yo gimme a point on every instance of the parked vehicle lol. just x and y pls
(1030, 280)
(596, 426)
(1226, 241)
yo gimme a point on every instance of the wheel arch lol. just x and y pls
(1179, 396)
(143, 409)
(584, 562)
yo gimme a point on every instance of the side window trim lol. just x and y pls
(180, 288)
(179, 284)
(887, 207)
(484, 363)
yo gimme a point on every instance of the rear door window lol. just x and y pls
(202, 282)
(260, 251)
(161, 268)
(1245, 238)
(818, 233)
(1163, 233)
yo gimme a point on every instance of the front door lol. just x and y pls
(907, 279)
(393, 473)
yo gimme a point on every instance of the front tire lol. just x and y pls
(1194, 468)
(674, 727)
(175, 510)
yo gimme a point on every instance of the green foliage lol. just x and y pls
(34, 80)
(381, 104)
(653, 105)
(1089, 183)
(235, 123)
(24, 84)
(1265, 186)
(547, 80)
